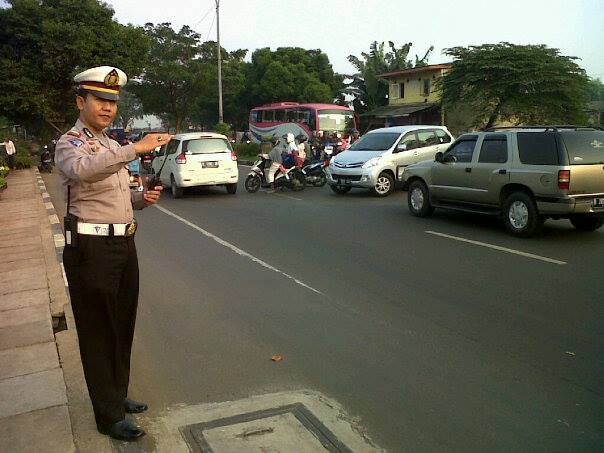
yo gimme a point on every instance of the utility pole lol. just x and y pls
(220, 116)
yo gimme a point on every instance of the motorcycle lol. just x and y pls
(45, 161)
(293, 178)
(315, 172)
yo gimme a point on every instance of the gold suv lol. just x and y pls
(523, 174)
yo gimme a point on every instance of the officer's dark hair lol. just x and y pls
(82, 92)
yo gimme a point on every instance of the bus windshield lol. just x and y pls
(336, 120)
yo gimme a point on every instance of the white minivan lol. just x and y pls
(197, 159)
(379, 158)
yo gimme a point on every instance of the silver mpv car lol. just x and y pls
(379, 158)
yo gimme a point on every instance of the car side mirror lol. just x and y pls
(401, 147)
(438, 157)
(449, 159)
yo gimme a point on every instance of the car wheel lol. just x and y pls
(384, 185)
(252, 183)
(231, 188)
(587, 223)
(177, 192)
(520, 215)
(298, 181)
(418, 199)
(340, 190)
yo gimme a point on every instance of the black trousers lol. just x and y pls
(102, 273)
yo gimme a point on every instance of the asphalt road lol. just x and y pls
(431, 342)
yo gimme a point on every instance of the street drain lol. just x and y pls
(286, 428)
(59, 324)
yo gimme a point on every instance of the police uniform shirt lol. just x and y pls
(93, 166)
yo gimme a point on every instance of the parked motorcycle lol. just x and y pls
(293, 178)
(315, 172)
(45, 161)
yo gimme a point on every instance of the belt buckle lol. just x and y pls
(131, 228)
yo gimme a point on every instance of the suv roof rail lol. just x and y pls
(554, 128)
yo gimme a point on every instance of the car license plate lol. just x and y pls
(344, 181)
(209, 165)
(598, 203)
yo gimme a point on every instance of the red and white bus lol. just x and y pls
(307, 119)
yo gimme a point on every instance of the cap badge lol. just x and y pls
(112, 79)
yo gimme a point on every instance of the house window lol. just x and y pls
(394, 91)
(401, 90)
(426, 87)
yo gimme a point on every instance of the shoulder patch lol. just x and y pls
(76, 142)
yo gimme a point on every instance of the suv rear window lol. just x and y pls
(494, 149)
(206, 146)
(538, 148)
(584, 147)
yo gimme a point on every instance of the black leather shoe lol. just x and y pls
(134, 407)
(123, 430)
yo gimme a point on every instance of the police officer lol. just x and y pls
(100, 256)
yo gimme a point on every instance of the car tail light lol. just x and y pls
(233, 155)
(564, 179)
(181, 159)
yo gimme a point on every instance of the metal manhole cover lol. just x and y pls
(282, 429)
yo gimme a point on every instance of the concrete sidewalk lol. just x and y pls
(34, 413)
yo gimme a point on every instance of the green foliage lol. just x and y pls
(4, 171)
(223, 128)
(233, 87)
(595, 90)
(291, 74)
(367, 88)
(45, 43)
(129, 108)
(530, 84)
(22, 154)
(174, 78)
(3, 183)
(248, 151)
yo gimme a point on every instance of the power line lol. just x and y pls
(211, 26)
(203, 17)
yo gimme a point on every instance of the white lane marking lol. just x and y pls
(59, 240)
(236, 249)
(45, 195)
(53, 219)
(287, 196)
(243, 165)
(49, 205)
(497, 247)
(64, 275)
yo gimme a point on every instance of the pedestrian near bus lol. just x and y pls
(100, 255)
(10, 151)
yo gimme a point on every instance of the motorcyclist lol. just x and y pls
(45, 160)
(300, 153)
(289, 149)
(276, 163)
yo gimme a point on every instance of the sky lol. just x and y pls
(343, 27)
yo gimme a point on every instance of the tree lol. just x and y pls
(508, 82)
(595, 90)
(174, 77)
(368, 89)
(291, 74)
(129, 108)
(234, 73)
(45, 43)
